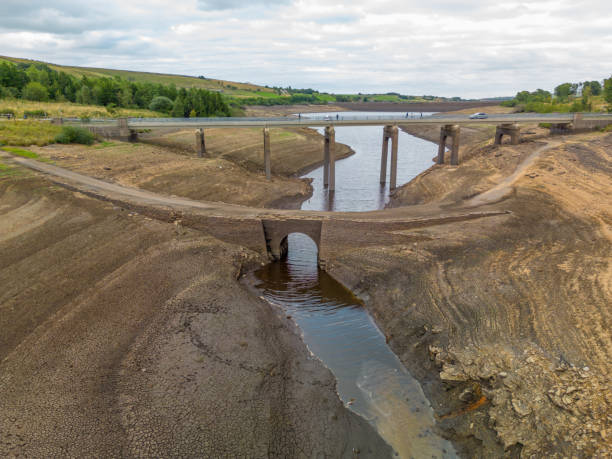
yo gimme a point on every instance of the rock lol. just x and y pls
(521, 408)
(450, 373)
(467, 395)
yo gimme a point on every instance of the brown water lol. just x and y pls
(335, 326)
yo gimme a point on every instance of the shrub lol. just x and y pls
(161, 104)
(35, 91)
(7, 111)
(35, 113)
(71, 134)
(8, 93)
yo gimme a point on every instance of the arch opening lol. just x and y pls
(299, 246)
(279, 237)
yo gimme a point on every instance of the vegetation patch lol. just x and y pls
(23, 133)
(105, 144)
(588, 96)
(21, 152)
(73, 134)
(9, 171)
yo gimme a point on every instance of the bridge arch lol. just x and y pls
(276, 233)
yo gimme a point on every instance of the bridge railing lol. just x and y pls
(308, 119)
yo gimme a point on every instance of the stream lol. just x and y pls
(335, 326)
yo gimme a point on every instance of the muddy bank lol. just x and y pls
(126, 336)
(293, 151)
(504, 320)
(161, 170)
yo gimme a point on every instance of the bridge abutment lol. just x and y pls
(125, 133)
(512, 130)
(453, 131)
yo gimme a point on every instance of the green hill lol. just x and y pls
(231, 88)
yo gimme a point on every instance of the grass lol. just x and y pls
(21, 152)
(9, 171)
(68, 109)
(24, 133)
(104, 144)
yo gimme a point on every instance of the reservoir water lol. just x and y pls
(335, 326)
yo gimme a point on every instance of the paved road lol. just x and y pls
(347, 120)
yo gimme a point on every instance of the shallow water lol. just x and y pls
(335, 326)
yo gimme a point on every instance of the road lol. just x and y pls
(346, 120)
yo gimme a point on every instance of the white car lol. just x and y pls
(479, 116)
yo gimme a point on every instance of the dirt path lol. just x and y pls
(501, 190)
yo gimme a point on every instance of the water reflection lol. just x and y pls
(358, 185)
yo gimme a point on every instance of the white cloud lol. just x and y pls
(444, 47)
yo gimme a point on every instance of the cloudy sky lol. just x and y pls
(471, 48)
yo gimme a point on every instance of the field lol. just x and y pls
(24, 133)
(68, 109)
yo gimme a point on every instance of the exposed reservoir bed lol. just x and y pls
(335, 326)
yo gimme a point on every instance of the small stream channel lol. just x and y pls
(335, 326)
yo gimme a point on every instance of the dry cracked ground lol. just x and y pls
(126, 336)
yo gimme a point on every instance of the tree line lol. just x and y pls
(39, 82)
(572, 97)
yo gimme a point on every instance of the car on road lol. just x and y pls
(479, 116)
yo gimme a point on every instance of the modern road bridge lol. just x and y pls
(507, 124)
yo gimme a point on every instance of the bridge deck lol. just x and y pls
(347, 120)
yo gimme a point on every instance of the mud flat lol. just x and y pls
(506, 320)
(127, 336)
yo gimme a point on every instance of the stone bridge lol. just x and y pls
(277, 231)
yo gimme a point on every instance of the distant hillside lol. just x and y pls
(239, 90)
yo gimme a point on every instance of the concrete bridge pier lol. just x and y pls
(394, 147)
(200, 142)
(385, 153)
(389, 132)
(512, 130)
(267, 164)
(329, 160)
(125, 133)
(449, 130)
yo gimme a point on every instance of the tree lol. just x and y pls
(161, 104)
(607, 90)
(594, 86)
(178, 109)
(35, 91)
(563, 91)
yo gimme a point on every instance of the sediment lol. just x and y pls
(504, 320)
(128, 336)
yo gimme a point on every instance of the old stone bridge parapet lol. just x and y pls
(277, 231)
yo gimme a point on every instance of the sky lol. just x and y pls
(447, 48)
